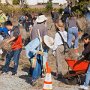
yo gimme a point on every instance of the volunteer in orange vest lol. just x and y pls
(14, 54)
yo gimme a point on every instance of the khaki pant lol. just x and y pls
(60, 61)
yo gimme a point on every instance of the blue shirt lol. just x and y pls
(4, 29)
(32, 47)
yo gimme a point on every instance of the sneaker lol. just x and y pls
(59, 76)
(83, 87)
(33, 82)
(43, 76)
(4, 73)
(14, 73)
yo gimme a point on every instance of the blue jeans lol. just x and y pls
(41, 60)
(73, 31)
(15, 54)
(31, 50)
(87, 80)
(36, 72)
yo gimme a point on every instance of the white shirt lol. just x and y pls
(58, 40)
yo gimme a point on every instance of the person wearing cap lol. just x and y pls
(33, 49)
(58, 50)
(40, 24)
(3, 18)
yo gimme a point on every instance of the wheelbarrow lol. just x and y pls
(76, 70)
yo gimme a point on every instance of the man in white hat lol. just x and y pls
(41, 25)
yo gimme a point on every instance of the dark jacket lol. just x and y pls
(27, 23)
(55, 16)
(86, 51)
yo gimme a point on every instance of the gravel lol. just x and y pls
(19, 82)
(9, 82)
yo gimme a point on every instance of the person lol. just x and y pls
(28, 22)
(58, 25)
(3, 35)
(34, 17)
(36, 50)
(67, 10)
(58, 50)
(66, 13)
(55, 16)
(4, 31)
(71, 24)
(21, 20)
(8, 17)
(86, 56)
(33, 53)
(16, 40)
(40, 24)
(3, 18)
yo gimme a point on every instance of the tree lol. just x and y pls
(49, 6)
(15, 2)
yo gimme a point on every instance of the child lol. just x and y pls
(16, 40)
(58, 49)
(86, 55)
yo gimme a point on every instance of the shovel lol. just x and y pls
(41, 48)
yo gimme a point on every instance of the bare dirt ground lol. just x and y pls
(22, 81)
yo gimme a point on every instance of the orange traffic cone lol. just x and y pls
(48, 79)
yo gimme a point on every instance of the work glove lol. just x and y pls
(80, 57)
(33, 61)
(40, 52)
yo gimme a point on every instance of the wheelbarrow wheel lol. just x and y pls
(71, 81)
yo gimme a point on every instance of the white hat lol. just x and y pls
(41, 19)
(49, 41)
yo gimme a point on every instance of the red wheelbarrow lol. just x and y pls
(76, 70)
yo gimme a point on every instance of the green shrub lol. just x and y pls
(17, 11)
(49, 6)
(6, 8)
(61, 10)
(80, 7)
(15, 2)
